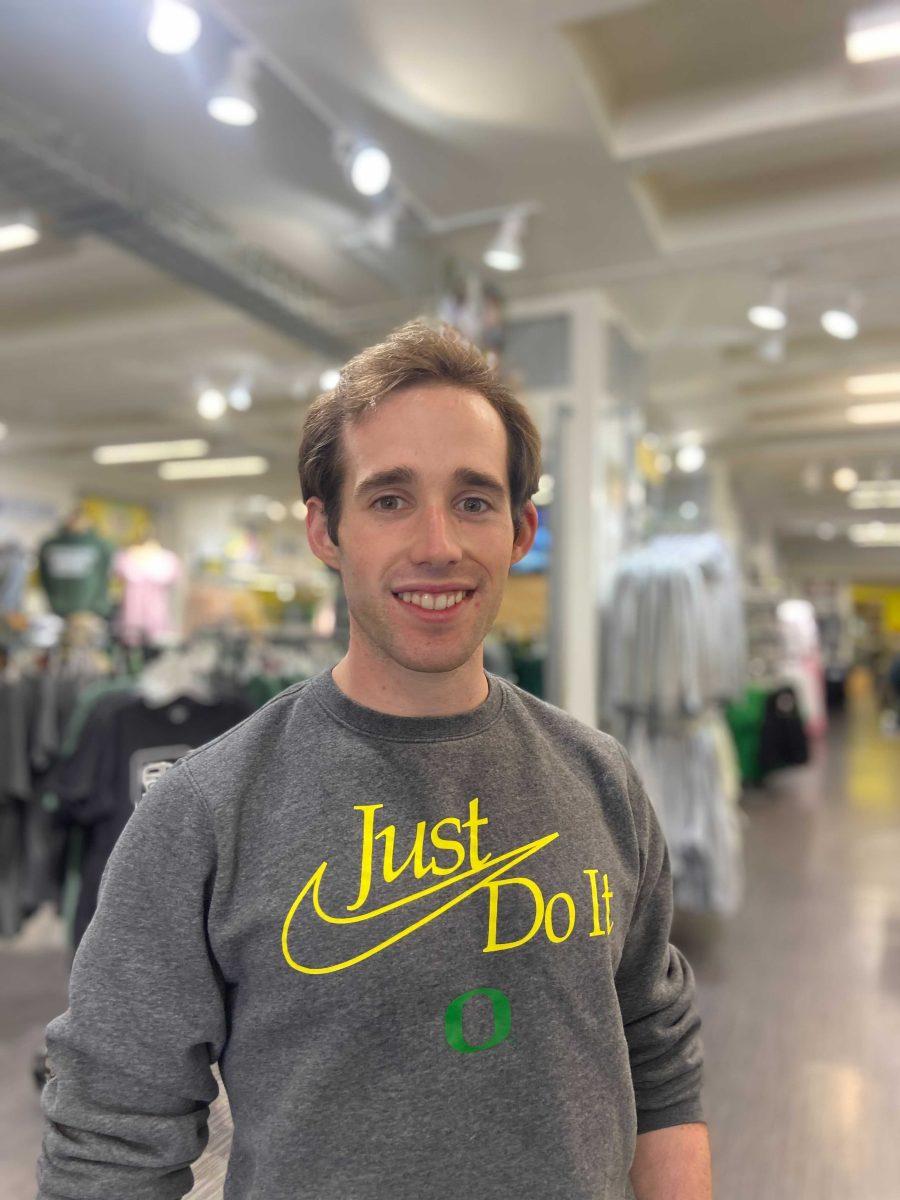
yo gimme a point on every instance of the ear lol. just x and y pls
(317, 534)
(527, 532)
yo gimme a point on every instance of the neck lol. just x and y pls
(389, 687)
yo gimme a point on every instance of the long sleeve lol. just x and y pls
(127, 1101)
(655, 986)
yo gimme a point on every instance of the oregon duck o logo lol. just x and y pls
(453, 1020)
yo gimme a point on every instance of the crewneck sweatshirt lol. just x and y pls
(430, 956)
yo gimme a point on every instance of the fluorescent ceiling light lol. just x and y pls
(370, 170)
(690, 458)
(174, 27)
(845, 479)
(839, 323)
(767, 316)
(505, 251)
(150, 451)
(873, 385)
(209, 468)
(234, 101)
(18, 230)
(884, 413)
(875, 533)
(211, 404)
(873, 33)
(888, 498)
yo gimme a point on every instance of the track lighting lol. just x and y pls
(505, 251)
(873, 33)
(173, 28)
(839, 323)
(234, 102)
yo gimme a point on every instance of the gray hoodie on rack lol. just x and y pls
(429, 954)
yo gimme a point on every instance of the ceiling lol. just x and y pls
(678, 155)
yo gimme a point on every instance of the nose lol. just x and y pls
(435, 538)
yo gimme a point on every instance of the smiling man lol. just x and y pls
(419, 917)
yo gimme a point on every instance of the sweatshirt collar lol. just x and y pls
(407, 729)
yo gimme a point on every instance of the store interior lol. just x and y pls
(674, 229)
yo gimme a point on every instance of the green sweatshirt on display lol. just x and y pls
(430, 955)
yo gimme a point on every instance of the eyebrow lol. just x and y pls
(392, 476)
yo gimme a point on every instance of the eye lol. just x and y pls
(477, 499)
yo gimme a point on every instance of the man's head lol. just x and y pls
(429, 402)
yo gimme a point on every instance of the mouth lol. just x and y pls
(434, 615)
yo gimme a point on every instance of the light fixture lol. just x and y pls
(174, 27)
(845, 479)
(150, 451)
(18, 230)
(690, 458)
(688, 511)
(873, 385)
(368, 168)
(839, 323)
(276, 511)
(329, 379)
(240, 397)
(298, 510)
(873, 33)
(505, 251)
(211, 404)
(885, 497)
(210, 468)
(884, 413)
(875, 533)
(234, 101)
(767, 316)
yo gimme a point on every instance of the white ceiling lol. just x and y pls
(678, 152)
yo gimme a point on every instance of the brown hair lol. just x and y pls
(412, 354)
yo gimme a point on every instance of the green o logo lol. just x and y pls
(453, 1020)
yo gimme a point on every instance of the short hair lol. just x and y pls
(413, 354)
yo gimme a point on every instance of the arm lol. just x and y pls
(127, 1101)
(655, 986)
(673, 1164)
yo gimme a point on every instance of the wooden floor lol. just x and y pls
(799, 995)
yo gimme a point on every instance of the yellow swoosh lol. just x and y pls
(498, 866)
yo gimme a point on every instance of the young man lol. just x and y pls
(418, 916)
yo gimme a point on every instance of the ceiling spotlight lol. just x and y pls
(690, 458)
(18, 230)
(369, 169)
(276, 511)
(298, 510)
(505, 251)
(839, 323)
(211, 404)
(873, 33)
(845, 479)
(234, 101)
(329, 379)
(768, 317)
(173, 27)
(240, 397)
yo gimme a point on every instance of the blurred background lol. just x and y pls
(675, 228)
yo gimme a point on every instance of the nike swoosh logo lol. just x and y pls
(483, 875)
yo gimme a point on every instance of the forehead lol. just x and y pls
(429, 425)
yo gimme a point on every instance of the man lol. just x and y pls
(418, 916)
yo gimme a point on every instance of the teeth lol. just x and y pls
(432, 602)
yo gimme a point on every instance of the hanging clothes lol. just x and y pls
(149, 573)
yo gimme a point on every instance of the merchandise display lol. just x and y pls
(559, 904)
(674, 654)
(74, 568)
(149, 573)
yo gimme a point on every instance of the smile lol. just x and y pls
(433, 607)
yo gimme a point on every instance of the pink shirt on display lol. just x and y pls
(146, 607)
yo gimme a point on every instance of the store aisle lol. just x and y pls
(800, 996)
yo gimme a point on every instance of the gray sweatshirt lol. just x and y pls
(429, 954)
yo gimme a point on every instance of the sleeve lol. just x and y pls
(655, 986)
(127, 1100)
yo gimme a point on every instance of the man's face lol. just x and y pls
(432, 529)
